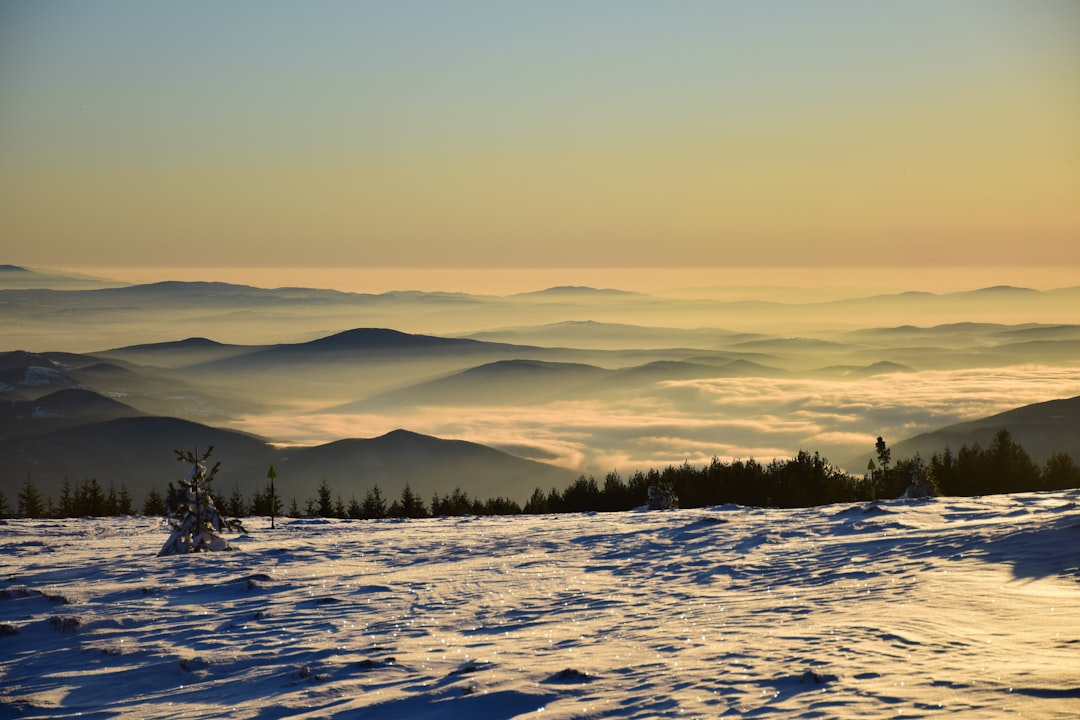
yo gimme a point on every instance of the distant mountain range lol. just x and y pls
(620, 377)
(54, 426)
(34, 305)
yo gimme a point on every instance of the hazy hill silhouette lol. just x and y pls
(426, 463)
(19, 277)
(1041, 429)
(179, 353)
(28, 375)
(560, 291)
(24, 359)
(626, 379)
(138, 451)
(515, 382)
(523, 382)
(378, 343)
(59, 409)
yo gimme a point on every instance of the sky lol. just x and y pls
(539, 134)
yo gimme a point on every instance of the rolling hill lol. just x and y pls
(138, 452)
(365, 343)
(178, 353)
(59, 409)
(525, 382)
(1042, 428)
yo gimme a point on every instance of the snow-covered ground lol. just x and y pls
(967, 608)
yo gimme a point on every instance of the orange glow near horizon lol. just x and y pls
(697, 135)
(723, 281)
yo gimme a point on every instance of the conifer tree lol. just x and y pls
(67, 500)
(374, 506)
(235, 505)
(537, 504)
(30, 503)
(1060, 472)
(91, 500)
(111, 501)
(174, 498)
(195, 528)
(326, 503)
(266, 501)
(4, 509)
(154, 504)
(411, 505)
(124, 503)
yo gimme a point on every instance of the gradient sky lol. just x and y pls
(405, 133)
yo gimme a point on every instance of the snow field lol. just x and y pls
(950, 607)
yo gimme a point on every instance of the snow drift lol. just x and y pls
(940, 607)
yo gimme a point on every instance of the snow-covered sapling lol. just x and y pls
(196, 523)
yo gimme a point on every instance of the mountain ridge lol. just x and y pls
(1040, 428)
(138, 452)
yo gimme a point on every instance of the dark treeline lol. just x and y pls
(805, 480)
(88, 499)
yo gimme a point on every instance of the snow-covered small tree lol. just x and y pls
(196, 523)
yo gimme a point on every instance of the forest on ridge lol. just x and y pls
(806, 480)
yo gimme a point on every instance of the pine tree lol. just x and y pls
(1060, 472)
(265, 501)
(155, 504)
(4, 509)
(90, 499)
(884, 454)
(111, 501)
(30, 503)
(174, 498)
(1008, 467)
(411, 504)
(881, 480)
(537, 504)
(355, 510)
(124, 503)
(195, 528)
(374, 506)
(235, 505)
(67, 500)
(326, 504)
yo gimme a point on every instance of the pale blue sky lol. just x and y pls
(525, 133)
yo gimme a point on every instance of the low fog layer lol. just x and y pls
(590, 380)
(694, 421)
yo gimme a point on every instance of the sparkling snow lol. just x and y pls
(967, 608)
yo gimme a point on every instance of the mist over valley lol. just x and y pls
(556, 383)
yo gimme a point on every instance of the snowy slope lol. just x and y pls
(966, 608)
